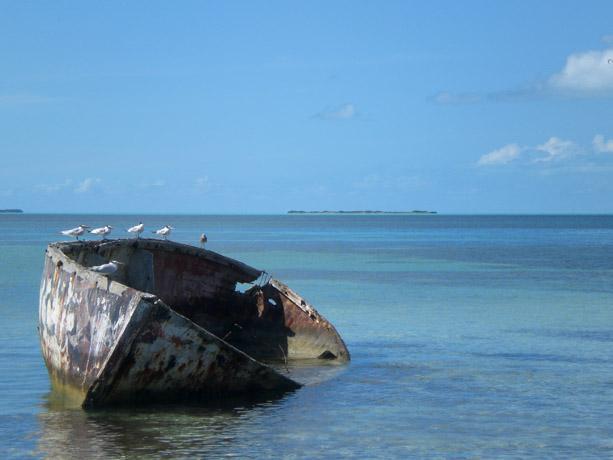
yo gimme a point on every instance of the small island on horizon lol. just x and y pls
(11, 211)
(362, 212)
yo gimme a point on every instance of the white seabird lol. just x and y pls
(138, 229)
(102, 231)
(75, 232)
(106, 269)
(203, 240)
(164, 232)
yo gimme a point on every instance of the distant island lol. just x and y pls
(361, 212)
(11, 211)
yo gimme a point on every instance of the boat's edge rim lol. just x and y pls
(165, 244)
(307, 309)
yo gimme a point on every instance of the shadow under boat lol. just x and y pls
(169, 325)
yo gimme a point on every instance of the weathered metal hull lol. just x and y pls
(162, 329)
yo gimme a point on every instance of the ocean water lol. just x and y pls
(471, 337)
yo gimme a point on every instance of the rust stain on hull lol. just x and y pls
(170, 324)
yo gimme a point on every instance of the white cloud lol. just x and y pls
(202, 184)
(555, 155)
(343, 112)
(158, 183)
(79, 187)
(500, 156)
(601, 145)
(586, 72)
(86, 185)
(448, 98)
(556, 149)
(53, 188)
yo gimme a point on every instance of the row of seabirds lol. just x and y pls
(113, 265)
(164, 232)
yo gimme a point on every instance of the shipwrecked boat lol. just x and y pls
(170, 324)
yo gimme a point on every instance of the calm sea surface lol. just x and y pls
(471, 336)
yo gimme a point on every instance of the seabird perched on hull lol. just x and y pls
(102, 231)
(138, 229)
(164, 232)
(75, 232)
(106, 269)
(203, 240)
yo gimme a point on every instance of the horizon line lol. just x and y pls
(311, 214)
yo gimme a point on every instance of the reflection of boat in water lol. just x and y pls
(170, 324)
(207, 429)
(176, 431)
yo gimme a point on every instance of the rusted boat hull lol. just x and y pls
(170, 324)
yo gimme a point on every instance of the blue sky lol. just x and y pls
(255, 107)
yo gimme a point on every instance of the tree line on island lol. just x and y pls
(293, 211)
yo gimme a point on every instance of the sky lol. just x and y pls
(263, 107)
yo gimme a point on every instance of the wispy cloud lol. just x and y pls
(555, 153)
(556, 149)
(584, 74)
(500, 156)
(158, 183)
(53, 188)
(202, 184)
(86, 185)
(342, 112)
(601, 145)
(24, 99)
(82, 186)
(449, 98)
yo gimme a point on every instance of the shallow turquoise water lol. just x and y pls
(471, 336)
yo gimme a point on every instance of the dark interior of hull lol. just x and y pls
(202, 286)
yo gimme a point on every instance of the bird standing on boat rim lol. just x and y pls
(138, 229)
(164, 232)
(75, 232)
(102, 231)
(203, 240)
(106, 269)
